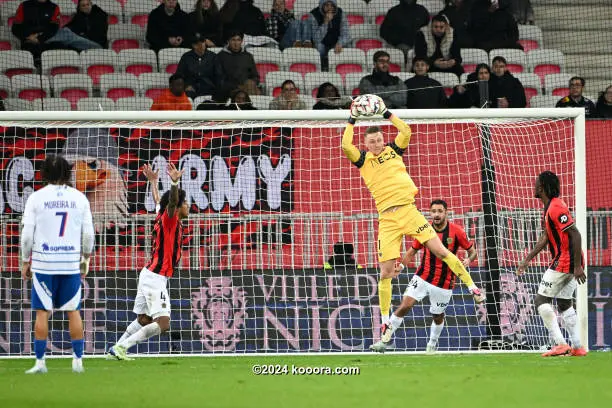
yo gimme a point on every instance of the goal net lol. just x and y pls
(280, 245)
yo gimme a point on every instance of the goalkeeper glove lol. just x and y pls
(84, 265)
(354, 114)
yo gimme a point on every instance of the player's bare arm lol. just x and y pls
(576, 249)
(152, 177)
(404, 262)
(175, 176)
(540, 245)
(472, 255)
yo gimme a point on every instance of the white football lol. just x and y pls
(365, 105)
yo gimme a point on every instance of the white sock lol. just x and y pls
(571, 319)
(436, 331)
(384, 319)
(141, 335)
(131, 329)
(396, 322)
(550, 321)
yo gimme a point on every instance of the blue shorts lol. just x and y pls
(60, 292)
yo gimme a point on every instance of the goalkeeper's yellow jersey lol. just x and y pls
(385, 175)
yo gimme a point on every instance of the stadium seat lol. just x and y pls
(472, 57)
(8, 9)
(308, 100)
(351, 83)
(261, 101)
(16, 62)
(199, 99)
(516, 60)
(355, 11)
(16, 104)
(216, 50)
(169, 59)
(396, 63)
(51, 104)
(379, 8)
(545, 61)
(153, 84)
(56, 62)
(67, 10)
(137, 12)
(464, 77)
(138, 61)
(96, 63)
(447, 79)
(7, 40)
(96, 104)
(404, 75)
(5, 87)
(348, 60)
(114, 10)
(557, 84)
(544, 101)
(72, 87)
(301, 9)
(119, 85)
(133, 104)
(433, 6)
(366, 37)
(275, 79)
(530, 37)
(313, 80)
(30, 86)
(267, 60)
(532, 84)
(302, 60)
(125, 37)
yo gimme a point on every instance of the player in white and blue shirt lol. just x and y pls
(56, 242)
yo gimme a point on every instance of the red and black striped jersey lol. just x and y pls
(557, 220)
(432, 269)
(167, 244)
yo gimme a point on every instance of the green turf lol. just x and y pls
(387, 381)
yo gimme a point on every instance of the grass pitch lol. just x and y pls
(387, 381)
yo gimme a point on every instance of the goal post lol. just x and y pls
(272, 197)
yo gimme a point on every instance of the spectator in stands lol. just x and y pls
(575, 98)
(282, 26)
(241, 101)
(604, 104)
(238, 66)
(288, 99)
(422, 91)
(458, 14)
(173, 98)
(505, 91)
(402, 22)
(522, 11)
(37, 25)
(437, 42)
(218, 101)
(168, 26)
(328, 97)
(326, 28)
(200, 68)
(380, 82)
(468, 95)
(244, 16)
(492, 26)
(90, 22)
(206, 21)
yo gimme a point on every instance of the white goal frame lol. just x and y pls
(21, 118)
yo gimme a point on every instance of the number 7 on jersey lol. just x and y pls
(64, 216)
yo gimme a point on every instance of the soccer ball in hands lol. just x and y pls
(366, 105)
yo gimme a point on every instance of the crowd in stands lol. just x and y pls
(220, 70)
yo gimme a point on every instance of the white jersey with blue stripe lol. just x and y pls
(60, 215)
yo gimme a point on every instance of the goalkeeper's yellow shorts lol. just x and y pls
(395, 223)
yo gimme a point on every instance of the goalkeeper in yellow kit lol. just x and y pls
(384, 173)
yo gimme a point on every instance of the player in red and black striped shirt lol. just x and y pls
(433, 277)
(152, 303)
(565, 271)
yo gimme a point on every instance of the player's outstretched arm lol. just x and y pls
(540, 245)
(348, 147)
(472, 255)
(152, 176)
(175, 176)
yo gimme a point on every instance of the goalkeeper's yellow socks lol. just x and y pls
(384, 297)
(458, 269)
